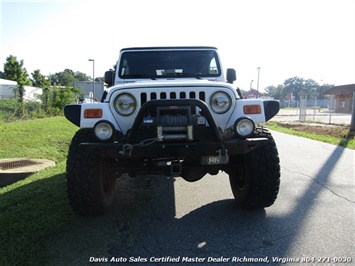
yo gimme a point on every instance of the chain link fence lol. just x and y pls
(312, 111)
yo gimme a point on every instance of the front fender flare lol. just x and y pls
(271, 108)
(72, 112)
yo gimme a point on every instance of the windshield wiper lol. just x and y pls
(189, 75)
(137, 76)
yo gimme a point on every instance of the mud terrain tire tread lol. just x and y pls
(262, 173)
(90, 191)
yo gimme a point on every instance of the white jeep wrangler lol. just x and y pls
(169, 111)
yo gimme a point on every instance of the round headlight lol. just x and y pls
(244, 127)
(220, 102)
(125, 104)
(103, 130)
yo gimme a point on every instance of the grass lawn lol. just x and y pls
(37, 224)
(337, 135)
(35, 207)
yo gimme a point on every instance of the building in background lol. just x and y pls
(8, 87)
(87, 87)
(343, 97)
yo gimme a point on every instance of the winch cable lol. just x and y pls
(174, 120)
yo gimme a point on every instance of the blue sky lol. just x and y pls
(310, 39)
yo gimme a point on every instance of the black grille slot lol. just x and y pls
(172, 95)
(143, 97)
(202, 96)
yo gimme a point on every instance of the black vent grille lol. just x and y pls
(172, 95)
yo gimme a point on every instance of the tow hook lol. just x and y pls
(126, 150)
(175, 168)
(223, 156)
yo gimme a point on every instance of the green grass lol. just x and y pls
(30, 211)
(35, 207)
(37, 224)
(340, 141)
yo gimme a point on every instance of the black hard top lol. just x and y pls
(168, 48)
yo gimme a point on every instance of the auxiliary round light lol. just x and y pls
(220, 102)
(244, 127)
(125, 104)
(103, 130)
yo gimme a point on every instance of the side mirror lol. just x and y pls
(109, 78)
(231, 75)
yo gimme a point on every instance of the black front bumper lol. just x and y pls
(142, 141)
(173, 150)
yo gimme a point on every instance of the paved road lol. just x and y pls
(313, 217)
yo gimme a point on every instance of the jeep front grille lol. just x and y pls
(145, 97)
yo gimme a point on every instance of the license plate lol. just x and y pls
(212, 160)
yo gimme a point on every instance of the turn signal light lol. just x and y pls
(92, 113)
(252, 109)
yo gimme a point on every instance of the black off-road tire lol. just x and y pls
(255, 177)
(90, 186)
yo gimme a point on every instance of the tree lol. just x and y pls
(39, 80)
(79, 76)
(295, 86)
(67, 77)
(64, 78)
(14, 70)
(275, 92)
(323, 88)
(311, 88)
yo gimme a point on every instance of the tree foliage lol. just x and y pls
(40, 81)
(14, 70)
(277, 92)
(299, 88)
(67, 78)
(53, 98)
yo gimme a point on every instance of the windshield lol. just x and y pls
(161, 64)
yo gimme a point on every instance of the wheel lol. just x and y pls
(90, 186)
(255, 177)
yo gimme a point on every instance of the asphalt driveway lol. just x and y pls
(312, 221)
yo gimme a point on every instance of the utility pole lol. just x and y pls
(93, 77)
(352, 124)
(257, 86)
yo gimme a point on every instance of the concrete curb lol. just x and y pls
(15, 169)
